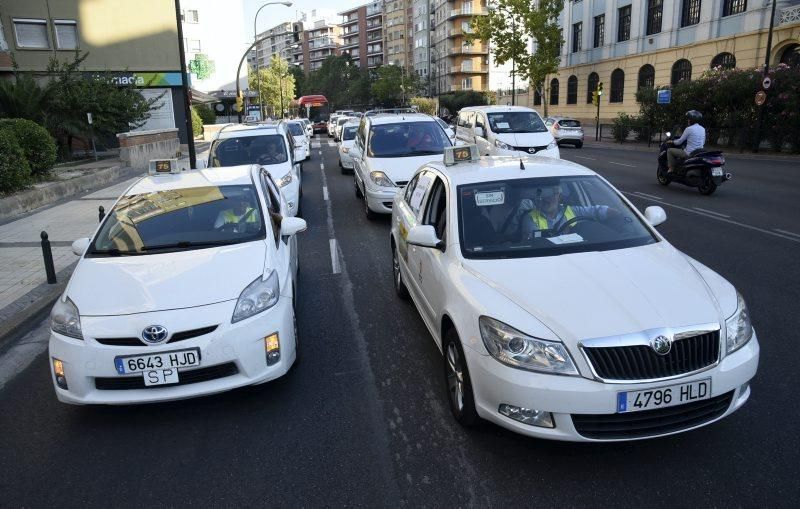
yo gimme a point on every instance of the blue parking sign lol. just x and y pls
(664, 96)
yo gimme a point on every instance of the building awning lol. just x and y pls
(201, 97)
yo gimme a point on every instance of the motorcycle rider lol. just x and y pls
(694, 136)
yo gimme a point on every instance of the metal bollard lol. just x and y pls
(102, 213)
(47, 254)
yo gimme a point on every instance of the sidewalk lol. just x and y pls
(638, 146)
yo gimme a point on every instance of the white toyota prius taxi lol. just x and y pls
(187, 288)
(560, 311)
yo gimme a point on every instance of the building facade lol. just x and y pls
(320, 38)
(421, 39)
(361, 31)
(649, 43)
(458, 65)
(278, 40)
(397, 27)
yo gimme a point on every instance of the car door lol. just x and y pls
(414, 254)
(285, 247)
(482, 138)
(359, 149)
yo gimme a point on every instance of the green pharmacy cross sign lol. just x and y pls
(201, 66)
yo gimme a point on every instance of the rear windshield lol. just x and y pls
(569, 123)
(266, 149)
(516, 122)
(407, 139)
(296, 129)
(342, 121)
(349, 133)
(180, 219)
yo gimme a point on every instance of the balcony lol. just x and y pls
(475, 69)
(468, 12)
(350, 20)
(790, 15)
(349, 44)
(322, 43)
(374, 51)
(374, 10)
(468, 50)
(374, 26)
(350, 31)
(458, 88)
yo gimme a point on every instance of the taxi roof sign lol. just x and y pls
(163, 166)
(460, 154)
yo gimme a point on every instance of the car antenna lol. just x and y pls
(521, 166)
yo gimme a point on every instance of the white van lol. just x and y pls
(505, 130)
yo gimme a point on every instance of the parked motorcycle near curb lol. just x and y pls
(703, 169)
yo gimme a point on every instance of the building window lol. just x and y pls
(647, 76)
(554, 91)
(572, 90)
(66, 33)
(193, 46)
(31, 33)
(681, 71)
(599, 30)
(724, 60)
(624, 27)
(690, 13)
(466, 84)
(617, 86)
(190, 16)
(592, 83)
(577, 36)
(733, 7)
(655, 10)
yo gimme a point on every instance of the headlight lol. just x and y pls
(285, 180)
(739, 327)
(518, 350)
(552, 145)
(345, 150)
(504, 146)
(65, 319)
(259, 296)
(380, 179)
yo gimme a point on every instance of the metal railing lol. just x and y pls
(790, 15)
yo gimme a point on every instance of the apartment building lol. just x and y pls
(320, 38)
(421, 38)
(361, 31)
(631, 44)
(458, 65)
(278, 40)
(398, 33)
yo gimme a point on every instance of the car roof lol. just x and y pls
(493, 168)
(497, 109)
(395, 118)
(353, 122)
(228, 176)
(241, 130)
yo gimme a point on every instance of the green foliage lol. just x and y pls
(299, 80)
(454, 101)
(14, 170)
(206, 113)
(36, 143)
(22, 97)
(424, 105)
(333, 79)
(277, 84)
(622, 127)
(197, 123)
(395, 85)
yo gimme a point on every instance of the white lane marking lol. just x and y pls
(588, 158)
(321, 166)
(335, 268)
(325, 193)
(648, 195)
(622, 164)
(711, 212)
(331, 143)
(320, 152)
(787, 233)
(724, 220)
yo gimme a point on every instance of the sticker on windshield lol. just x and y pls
(569, 238)
(502, 125)
(485, 199)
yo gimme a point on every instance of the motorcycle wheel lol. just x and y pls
(707, 187)
(662, 177)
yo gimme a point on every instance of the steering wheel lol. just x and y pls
(225, 227)
(569, 223)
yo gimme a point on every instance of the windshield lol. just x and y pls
(516, 122)
(343, 121)
(180, 219)
(533, 217)
(442, 123)
(296, 129)
(407, 139)
(568, 122)
(266, 149)
(349, 133)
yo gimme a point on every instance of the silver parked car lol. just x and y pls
(565, 130)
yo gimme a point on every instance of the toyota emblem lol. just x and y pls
(661, 345)
(154, 334)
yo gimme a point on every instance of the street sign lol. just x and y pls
(766, 83)
(761, 98)
(664, 97)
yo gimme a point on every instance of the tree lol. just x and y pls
(508, 27)
(277, 84)
(299, 80)
(395, 86)
(334, 80)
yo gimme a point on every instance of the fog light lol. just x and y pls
(527, 416)
(273, 346)
(743, 389)
(58, 370)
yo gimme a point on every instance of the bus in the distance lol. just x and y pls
(315, 108)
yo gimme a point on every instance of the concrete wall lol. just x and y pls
(136, 149)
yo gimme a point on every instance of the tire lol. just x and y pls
(358, 191)
(399, 286)
(707, 187)
(458, 383)
(579, 144)
(662, 177)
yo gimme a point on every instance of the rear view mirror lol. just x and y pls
(655, 215)
(423, 235)
(479, 132)
(80, 246)
(292, 225)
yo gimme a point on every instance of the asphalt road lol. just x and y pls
(363, 419)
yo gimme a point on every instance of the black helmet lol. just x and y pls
(694, 116)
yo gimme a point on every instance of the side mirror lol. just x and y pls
(202, 164)
(655, 215)
(480, 132)
(292, 225)
(423, 235)
(81, 245)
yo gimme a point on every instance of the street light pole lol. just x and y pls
(766, 72)
(187, 106)
(255, 36)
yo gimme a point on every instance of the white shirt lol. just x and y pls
(694, 136)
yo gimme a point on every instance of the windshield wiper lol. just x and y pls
(112, 252)
(187, 243)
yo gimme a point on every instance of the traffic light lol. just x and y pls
(239, 102)
(600, 88)
(296, 29)
(595, 98)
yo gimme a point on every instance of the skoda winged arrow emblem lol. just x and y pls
(154, 334)
(661, 345)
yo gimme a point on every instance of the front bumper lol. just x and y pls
(380, 199)
(87, 363)
(574, 136)
(494, 384)
(549, 152)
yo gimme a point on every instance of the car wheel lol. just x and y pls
(707, 186)
(358, 190)
(399, 286)
(579, 144)
(458, 382)
(368, 211)
(662, 176)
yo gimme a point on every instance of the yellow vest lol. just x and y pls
(541, 221)
(231, 217)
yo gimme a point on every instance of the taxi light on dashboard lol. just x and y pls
(460, 154)
(272, 344)
(163, 166)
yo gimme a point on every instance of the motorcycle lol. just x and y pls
(703, 169)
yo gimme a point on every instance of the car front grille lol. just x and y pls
(528, 149)
(194, 376)
(401, 183)
(178, 336)
(650, 423)
(641, 362)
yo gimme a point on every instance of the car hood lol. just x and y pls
(598, 294)
(401, 168)
(526, 139)
(140, 284)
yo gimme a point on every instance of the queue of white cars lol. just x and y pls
(559, 309)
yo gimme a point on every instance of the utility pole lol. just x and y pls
(766, 72)
(514, 67)
(187, 106)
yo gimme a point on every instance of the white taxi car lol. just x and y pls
(505, 130)
(268, 145)
(346, 145)
(560, 311)
(187, 288)
(302, 144)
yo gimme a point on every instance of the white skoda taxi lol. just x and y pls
(187, 288)
(560, 311)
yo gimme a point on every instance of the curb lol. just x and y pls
(612, 145)
(32, 199)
